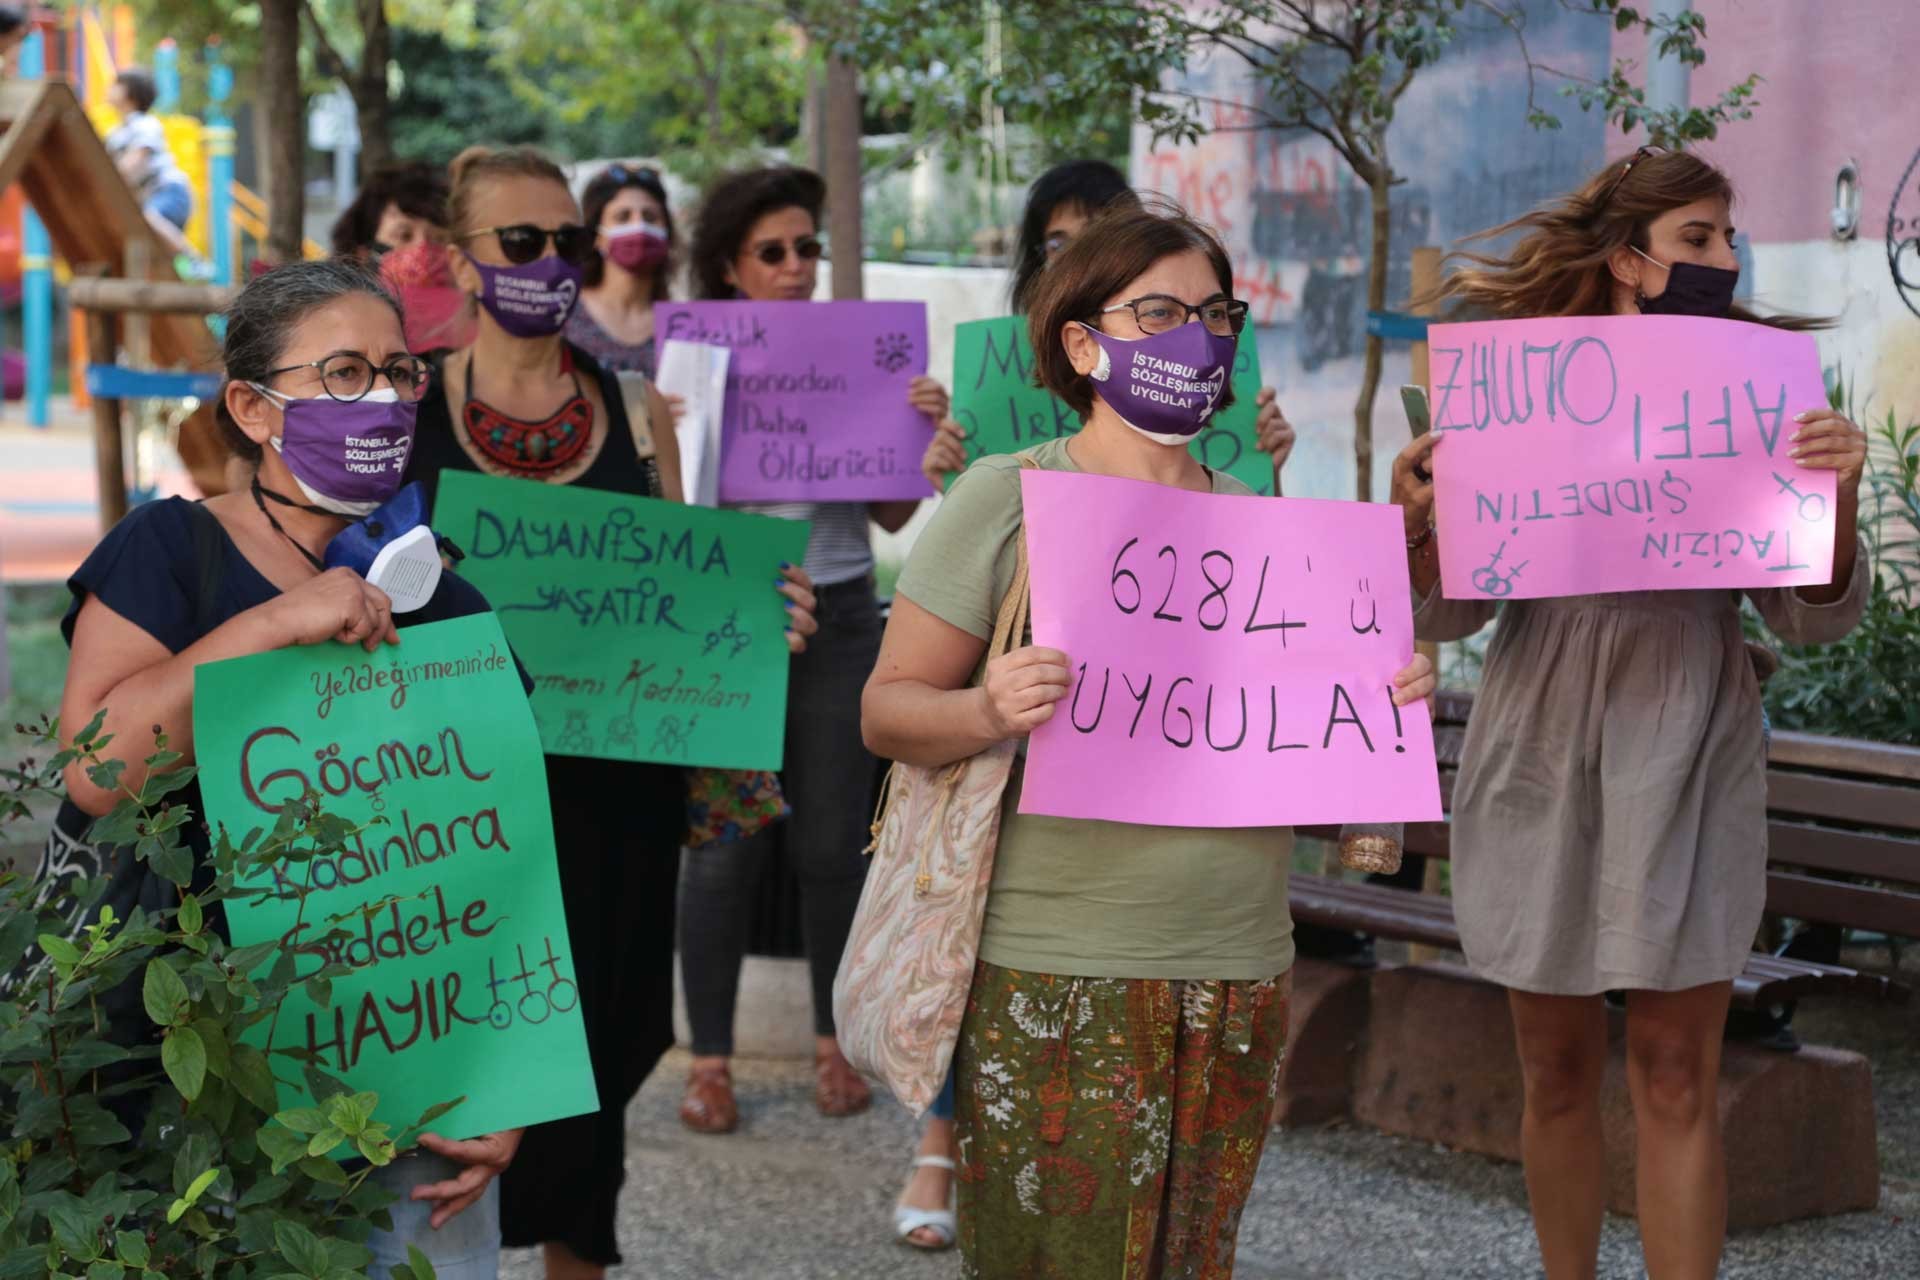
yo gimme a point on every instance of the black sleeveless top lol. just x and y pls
(642, 804)
(618, 468)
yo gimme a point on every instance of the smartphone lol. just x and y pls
(1418, 417)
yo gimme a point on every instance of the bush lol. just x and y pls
(1868, 684)
(221, 1181)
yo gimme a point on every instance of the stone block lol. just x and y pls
(1326, 1024)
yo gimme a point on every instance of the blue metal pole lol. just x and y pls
(36, 276)
(166, 77)
(219, 145)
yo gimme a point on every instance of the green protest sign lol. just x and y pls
(652, 630)
(446, 907)
(994, 399)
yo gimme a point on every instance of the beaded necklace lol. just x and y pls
(530, 448)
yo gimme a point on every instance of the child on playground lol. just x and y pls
(139, 148)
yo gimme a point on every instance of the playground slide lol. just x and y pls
(49, 147)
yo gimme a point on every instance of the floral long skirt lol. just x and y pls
(1108, 1128)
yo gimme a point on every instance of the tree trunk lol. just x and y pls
(372, 105)
(843, 176)
(284, 121)
(1380, 195)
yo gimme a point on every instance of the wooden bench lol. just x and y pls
(1843, 829)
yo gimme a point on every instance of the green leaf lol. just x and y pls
(418, 1264)
(321, 1169)
(184, 1056)
(245, 960)
(281, 1146)
(200, 1185)
(163, 992)
(378, 1151)
(325, 1140)
(268, 1188)
(320, 991)
(62, 951)
(191, 917)
(131, 1246)
(306, 1120)
(301, 1247)
(106, 1270)
(253, 1077)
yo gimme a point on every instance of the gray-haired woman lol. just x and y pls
(313, 350)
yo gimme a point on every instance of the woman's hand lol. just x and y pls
(676, 406)
(336, 605)
(1273, 434)
(1828, 441)
(1022, 688)
(1415, 681)
(1413, 483)
(929, 397)
(797, 587)
(946, 453)
(485, 1157)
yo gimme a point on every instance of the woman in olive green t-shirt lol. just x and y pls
(1122, 1038)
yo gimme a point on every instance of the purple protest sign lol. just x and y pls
(816, 397)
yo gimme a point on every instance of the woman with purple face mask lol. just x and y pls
(1122, 1038)
(524, 403)
(1609, 824)
(627, 207)
(319, 406)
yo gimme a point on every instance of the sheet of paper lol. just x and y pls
(697, 373)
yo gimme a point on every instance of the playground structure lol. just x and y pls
(81, 228)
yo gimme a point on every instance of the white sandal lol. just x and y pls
(942, 1222)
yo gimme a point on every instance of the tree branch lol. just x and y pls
(329, 57)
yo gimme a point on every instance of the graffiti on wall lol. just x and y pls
(1903, 236)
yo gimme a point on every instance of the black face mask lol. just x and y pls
(1692, 290)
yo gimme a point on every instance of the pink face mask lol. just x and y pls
(636, 246)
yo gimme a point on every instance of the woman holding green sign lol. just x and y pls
(1124, 1027)
(1059, 205)
(523, 402)
(1609, 824)
(314, 357)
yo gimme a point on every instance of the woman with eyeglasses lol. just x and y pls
(1122, 1039)
(523, 402)
(629, 269)
(1059, 205)
(1609, 825)
(314, 358)
(758, 238)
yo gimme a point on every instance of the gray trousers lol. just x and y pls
(828, 780)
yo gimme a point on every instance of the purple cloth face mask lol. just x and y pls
(1165, 387)
(636, 246)
(530, 301)
(346, 456)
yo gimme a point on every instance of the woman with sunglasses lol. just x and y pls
(758, 238)
(522, 402)
(314, 357)
(1122, 1038)
(1059, 205)
(1609, 826)
(628, 272)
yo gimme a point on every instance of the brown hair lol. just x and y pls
(476, 166)
(1118, 247)
(732, 205)
(1558, 266)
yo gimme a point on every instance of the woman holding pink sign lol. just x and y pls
(1123, 1031)
(1610, 817)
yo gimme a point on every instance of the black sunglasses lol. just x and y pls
(523, 242)
(642, 176)
(1627, 168)
(806, 249)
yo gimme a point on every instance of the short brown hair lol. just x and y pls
(732, 205)
(1118, 247)
(475, 166)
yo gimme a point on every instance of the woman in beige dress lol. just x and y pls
(1610, 818)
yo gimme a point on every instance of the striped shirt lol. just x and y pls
(840, 548)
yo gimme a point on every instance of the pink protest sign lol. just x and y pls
(1232, 658)
(1625, 453)
(816, 405)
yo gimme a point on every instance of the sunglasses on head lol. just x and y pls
(641, 175)
(1613, 187)
(523, 242)
(773, 253)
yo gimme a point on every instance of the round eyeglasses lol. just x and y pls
(1158, 313)
(348, 375)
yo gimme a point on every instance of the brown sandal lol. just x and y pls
(838, 1089)
(709, 1105)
